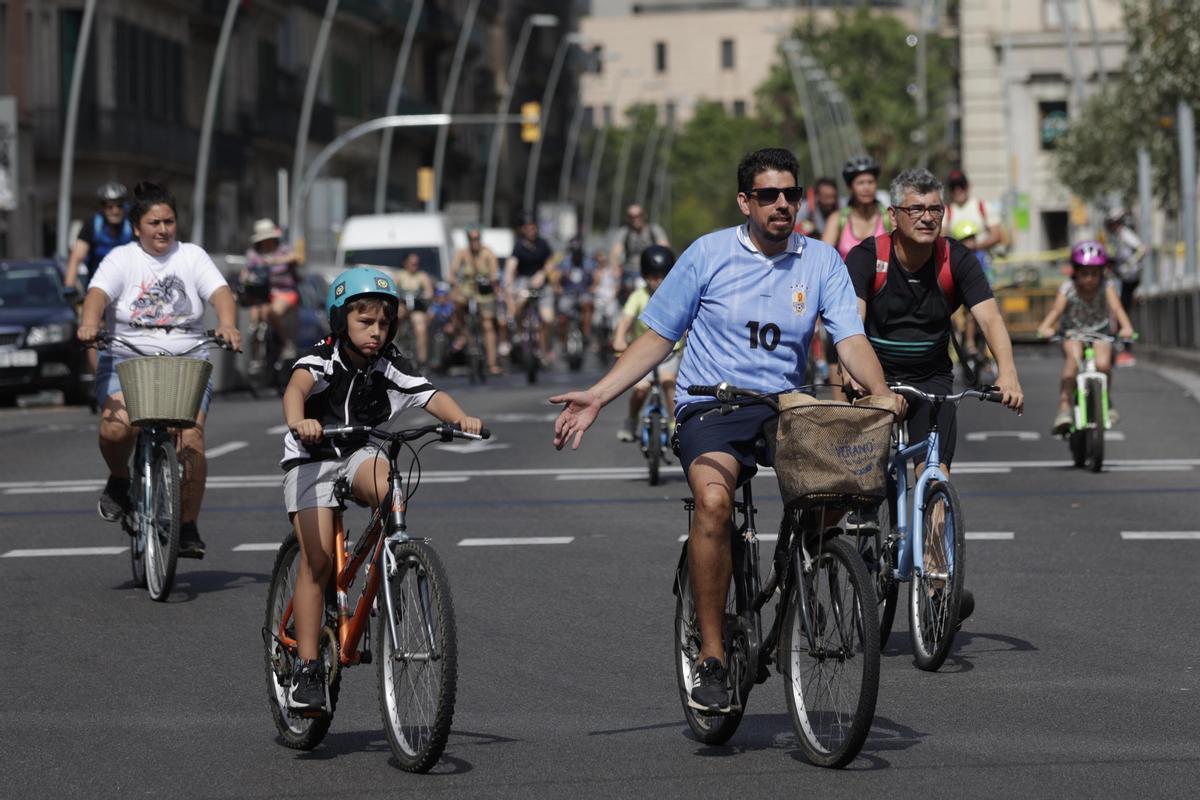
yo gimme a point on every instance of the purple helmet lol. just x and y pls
(1089, 254)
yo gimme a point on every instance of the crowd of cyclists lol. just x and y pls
(746, 304)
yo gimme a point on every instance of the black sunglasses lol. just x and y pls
(768, 195)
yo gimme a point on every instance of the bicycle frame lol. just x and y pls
(1088, 372)
(654, 403)
(911, 554)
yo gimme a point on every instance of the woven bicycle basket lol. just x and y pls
(164, 390)
(832, 452)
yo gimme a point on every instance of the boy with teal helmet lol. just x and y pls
(355, 376)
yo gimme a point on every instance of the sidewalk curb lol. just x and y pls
(1169, 357)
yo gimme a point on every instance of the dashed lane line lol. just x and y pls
(256, 547)
(1160, 535)
(65, 551)
(991, 536)
(499, 541)
(223, 449)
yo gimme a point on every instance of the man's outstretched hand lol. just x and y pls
(580, 411)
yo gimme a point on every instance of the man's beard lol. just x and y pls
(777, 237)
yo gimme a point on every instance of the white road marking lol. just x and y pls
(83, 487)
(1159, 535)
(549, 416)
(473, 446)
(277, 430)
(1114, 436)
(256, 547)
(1148, 468)
(1020, 436)
(991, 536)
(964, 469)
(762, 537)
(65, 551)
(516, 540)
(228, 447)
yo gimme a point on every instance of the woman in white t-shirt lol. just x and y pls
(152, 292)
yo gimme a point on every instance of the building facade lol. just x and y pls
(1017, 97)
(146, 78)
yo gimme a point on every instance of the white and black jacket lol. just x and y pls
(342, 395)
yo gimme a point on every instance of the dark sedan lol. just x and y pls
(38, 349)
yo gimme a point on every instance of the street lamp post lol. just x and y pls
(792, 49)
(310, 96)
(68, 152)
(535, 156)
(593, 179)
(206, 125)
(572, 146)
(618, 186)
(393, 103)
(443, 134)
(514, 71)
(643, 181)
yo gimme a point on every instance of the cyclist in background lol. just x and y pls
(416, 290)
(575, 278)
(475, 273)
(656, 263)
(634, 236)
(962, 206)
(1127, 251)
(356, 376)
(154, 289)
(108, 228)
(819, 209)
(529, 268)
(864, 216)
(1085, 302)
(271, 277)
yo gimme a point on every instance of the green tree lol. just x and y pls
(867, 56)
(1097, 157)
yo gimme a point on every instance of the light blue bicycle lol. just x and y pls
(898, 550)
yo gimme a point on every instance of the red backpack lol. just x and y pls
(945, 276)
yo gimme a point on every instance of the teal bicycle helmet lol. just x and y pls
(355, 283)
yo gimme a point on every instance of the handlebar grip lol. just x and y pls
(342, 430)
(994, 397)
(484, 433)
(700, 390)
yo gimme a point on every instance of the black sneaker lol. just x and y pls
(308, 687)
(966, 605)
(190, 543)
(114, 500)
(710, 695)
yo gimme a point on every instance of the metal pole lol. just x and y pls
(593, 179)
(310, 95)
(1072, 57)
(1101, 73)
(281, 194)
(443, 134)
(564, 176)
(660, 178)
(618, 188)
(68, 151)
(535, 156)
(514, 72)
(1187, 183)
(1146, 211)
(393, 103)
(791, 48)
(210, 111)
(643, 181)
(922, 82)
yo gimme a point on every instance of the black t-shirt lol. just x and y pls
(531, 256)
(908, 321)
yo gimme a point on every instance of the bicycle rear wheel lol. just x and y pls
(708, 729)
(160, 528)
(418, 667)
(830, 653)
(1096, 423)
(298, 732)
(935, 593)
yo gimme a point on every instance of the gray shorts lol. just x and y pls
(311, 485)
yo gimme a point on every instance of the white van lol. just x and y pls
(383, 240)
(499, 240)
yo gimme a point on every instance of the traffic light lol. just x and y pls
(531, 118)
(424, 184)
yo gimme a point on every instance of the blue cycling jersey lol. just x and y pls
(750, 317)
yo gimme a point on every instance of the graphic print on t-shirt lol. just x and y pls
(161, 304)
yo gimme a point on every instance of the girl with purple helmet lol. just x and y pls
(1086, 302)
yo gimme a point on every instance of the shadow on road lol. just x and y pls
(190, 585)
(968, 645)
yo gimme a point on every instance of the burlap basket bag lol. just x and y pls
(832, 452)
(164, 390)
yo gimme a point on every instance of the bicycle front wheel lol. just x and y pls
(830, 653)
(298, 732)
(935, 593)
(1096, 423)
(417, 655)
(160, 527)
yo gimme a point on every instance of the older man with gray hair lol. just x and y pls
(909, 283)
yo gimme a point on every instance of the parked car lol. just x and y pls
(38, 349)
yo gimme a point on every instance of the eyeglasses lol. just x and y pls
(916, 212)
(769, 195)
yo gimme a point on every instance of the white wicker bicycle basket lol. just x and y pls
(164, 390)
(832, 452)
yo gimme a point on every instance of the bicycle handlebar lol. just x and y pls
(986, 393)
(445, 430)
(105, 340)
(726, 393)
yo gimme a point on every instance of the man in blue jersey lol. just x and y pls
(748, 297)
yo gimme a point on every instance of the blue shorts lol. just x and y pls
(734, 433)
(108, 384)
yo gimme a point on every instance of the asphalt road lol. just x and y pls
(1077, 675)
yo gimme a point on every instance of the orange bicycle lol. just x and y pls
(406, 588)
